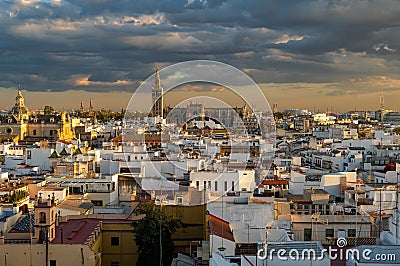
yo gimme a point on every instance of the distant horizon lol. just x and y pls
(281, 94)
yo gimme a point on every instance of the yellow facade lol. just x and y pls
(62, 254)
(194, 229)
(126, 253)
(22, 124)
(115, 242)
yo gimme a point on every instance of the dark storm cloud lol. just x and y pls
(113, 45)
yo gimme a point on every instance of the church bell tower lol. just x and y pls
(157, 96)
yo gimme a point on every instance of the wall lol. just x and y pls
(65, 255)
(331, 184)
(126, 253)
(217, 242)
(39, 157)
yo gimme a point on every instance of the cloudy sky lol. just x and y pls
(303, 53)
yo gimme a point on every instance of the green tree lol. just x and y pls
(48, 110)
(278, 115)
(147, 235)
(396, 130)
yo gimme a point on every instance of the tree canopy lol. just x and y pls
(147, 235)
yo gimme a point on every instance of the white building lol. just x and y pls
(222, 182)
(101, 192)
(39, 157)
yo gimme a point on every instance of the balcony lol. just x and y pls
(363, 238)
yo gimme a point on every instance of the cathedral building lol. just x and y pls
(157, 97)
(226, 116)
(20, 124)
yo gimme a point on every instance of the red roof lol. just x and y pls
(220, 228)
(77, 231)
(65, 141)
(275, 182)
(390, 167)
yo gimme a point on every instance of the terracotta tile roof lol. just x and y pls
(275, 182)
(220, 228)
(77, 231)
(65, 142)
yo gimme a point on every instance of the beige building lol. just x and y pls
(72, 241)
(22, 124)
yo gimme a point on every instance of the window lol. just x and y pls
(29, 155)
(179, 200)
(216, 185)
(114, 241)
(307, 234)
(315, 208)
(233, 185)
(197, 184)
(388, 197)
(42, 217)
(226, 185)
(34, 132)
(329, 233)
(209, 185)
(53, 263)
(51, 132)
(204, 185)
(351, 233)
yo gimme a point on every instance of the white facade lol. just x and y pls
(60, 194)
(100, 191)
(4, 149)
(12, 162)
(217, 242)
(221, 182)
(296, 183)
(240, 216)
(383, 198)
(39, 157)
(3, 175)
